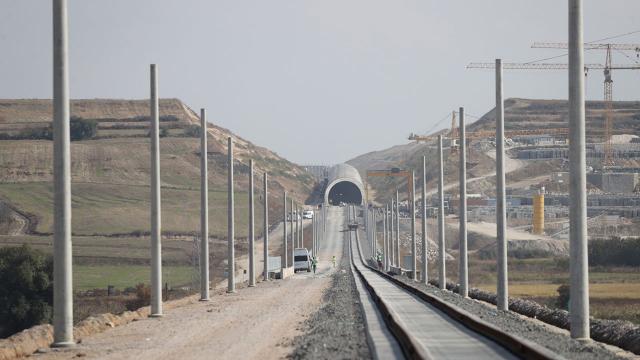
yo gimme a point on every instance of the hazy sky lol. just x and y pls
(318, 81)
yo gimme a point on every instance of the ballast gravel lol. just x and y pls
(337, 329)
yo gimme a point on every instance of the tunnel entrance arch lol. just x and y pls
(344, 186)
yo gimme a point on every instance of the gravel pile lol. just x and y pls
(336, 330)
(514, 324)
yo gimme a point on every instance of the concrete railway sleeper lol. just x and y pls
(411, 346)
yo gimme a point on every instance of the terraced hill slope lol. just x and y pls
(111, 194)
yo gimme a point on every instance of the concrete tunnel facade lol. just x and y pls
(344, 185)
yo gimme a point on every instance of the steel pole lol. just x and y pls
(62, 246)
(425, 247)
(156, 207)
(285, 236)
(265, 182)
(463, 270)
(441, 237)
(231, 263)
(501, 201)
(252, 235)
(414, 248)
(204, 209)
(579, 265)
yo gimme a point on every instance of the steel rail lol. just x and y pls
(410, 346)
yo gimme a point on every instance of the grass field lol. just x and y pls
(119, 209)
(614, 292)
(123, 276)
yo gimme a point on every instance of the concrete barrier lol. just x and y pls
(287, 272)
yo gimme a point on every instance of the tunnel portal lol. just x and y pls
(344, 186)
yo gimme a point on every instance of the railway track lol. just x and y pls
(425, 327)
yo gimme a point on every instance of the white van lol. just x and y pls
(307, 214)
(301, 260)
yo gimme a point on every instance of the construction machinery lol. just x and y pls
(607, 159)
(608, 82)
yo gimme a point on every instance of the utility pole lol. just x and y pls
(412, 204)
(293, 235)
(425, 247)
(392, 234)
(463, 269)
(374, 229)
(301, 230)
(266, 225)
(501, 201)
(297, 236)
(285, 236)
(156, 207)
(385, 249)
(441, 237)
(231, 264)
(204, 209)
(389, 216)
(62, 247)
(252, 235)
(579, 265)
(399, 256)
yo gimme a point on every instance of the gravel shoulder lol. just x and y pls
(337, 329)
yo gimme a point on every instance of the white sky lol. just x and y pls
(318, 81)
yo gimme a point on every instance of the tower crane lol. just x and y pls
(608, 67)
(608, 85)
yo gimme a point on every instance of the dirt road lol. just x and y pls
(254, 323)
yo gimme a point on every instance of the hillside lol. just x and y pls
(548, 114)
(110, 185)
(519, 114)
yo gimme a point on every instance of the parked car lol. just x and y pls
(301, 260)
(295, 216)
(307, 214)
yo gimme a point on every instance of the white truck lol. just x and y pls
(307, 214)
(301, 260)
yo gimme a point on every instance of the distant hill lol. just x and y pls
(519, 114)
(111, 172)
(549, 114)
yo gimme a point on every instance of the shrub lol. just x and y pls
(562, 301)
(82, 129)
(192, 131)
(616, 251)
(143, 298)
(26, 289)
(163, 132)
(36, 134)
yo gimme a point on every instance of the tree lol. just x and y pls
(82, 129)
(26, 289)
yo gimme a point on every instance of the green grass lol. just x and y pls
(614, 292)
(90, 250)
(117, 209)
(92, 277)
